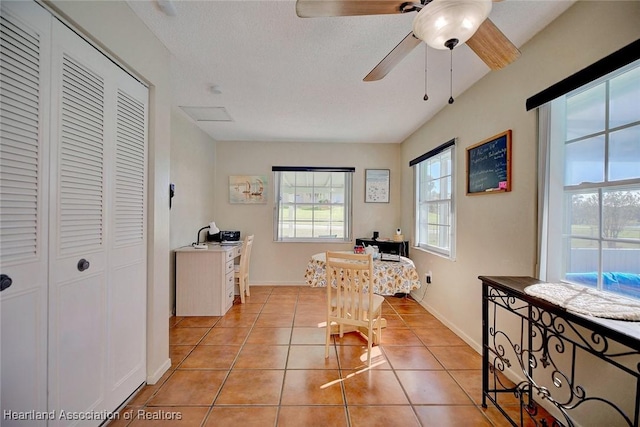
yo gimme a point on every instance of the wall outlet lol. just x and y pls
(427, 278)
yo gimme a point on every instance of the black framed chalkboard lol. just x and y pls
(489, 165)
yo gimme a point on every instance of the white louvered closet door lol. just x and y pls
(24, 110)
(97, 282)
(127, 249)
(73, 132)
(78, 254)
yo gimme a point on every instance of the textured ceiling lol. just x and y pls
(284, 78)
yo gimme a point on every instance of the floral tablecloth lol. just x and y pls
(390, 277)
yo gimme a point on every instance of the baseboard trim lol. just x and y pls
(279, 284)
(466, 338)
(509, 372)
(155, 376)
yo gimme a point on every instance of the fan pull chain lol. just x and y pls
(451, 43)
(426, 72)
(451, 77)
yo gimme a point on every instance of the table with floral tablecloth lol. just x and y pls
(390, 277)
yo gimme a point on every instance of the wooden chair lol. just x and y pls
(348, 303)
(241, 271)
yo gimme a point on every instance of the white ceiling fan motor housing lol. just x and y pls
(444, 20)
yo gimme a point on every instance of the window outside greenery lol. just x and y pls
(434, 203)
(600, 158)
(313, 205)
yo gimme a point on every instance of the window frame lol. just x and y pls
(347, 204)
(556, 229)
(418, 163)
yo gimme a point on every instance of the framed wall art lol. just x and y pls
(489, 165)
(376, 185)
(247, 189)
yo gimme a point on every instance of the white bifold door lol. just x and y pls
(72, 225)
(25, 57)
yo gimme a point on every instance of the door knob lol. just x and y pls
(83, 264)
(5, 282)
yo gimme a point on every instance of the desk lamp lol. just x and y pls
(213, 229)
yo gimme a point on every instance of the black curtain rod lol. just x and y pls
(432, 152)
(311, 169)
(606, 65)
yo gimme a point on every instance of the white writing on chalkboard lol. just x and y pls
(488, 165)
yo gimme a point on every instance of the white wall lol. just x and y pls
(193, 165)
(285, 263)
(496, 233)
(119, 31)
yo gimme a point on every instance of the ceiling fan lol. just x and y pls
(442, 24)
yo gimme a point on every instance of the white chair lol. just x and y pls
(347, 276)
(241, 271)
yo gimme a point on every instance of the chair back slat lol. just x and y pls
(245, 253)
(242, 272)
(349, 277)
(350, 298)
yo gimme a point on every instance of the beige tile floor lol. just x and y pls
(262, 364)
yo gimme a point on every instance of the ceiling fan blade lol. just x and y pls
(320, 8)
(492, 46)
(392, 59)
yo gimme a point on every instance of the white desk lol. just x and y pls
(204, 280)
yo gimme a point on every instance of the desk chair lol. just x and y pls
(241, 271)
(347, 301)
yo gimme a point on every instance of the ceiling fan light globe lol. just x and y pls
(443, 20)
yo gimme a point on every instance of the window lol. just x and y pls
(592, 203)
(435, 208)
(312, 204)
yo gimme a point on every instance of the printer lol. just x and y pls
(224, 236)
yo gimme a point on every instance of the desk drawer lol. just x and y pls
(228, 296)
(233, 252)
(228, 268)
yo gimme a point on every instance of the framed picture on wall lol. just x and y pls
(376, 185)
(489, 165)
(247, 189)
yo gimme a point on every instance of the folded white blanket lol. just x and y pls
(585, 300)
